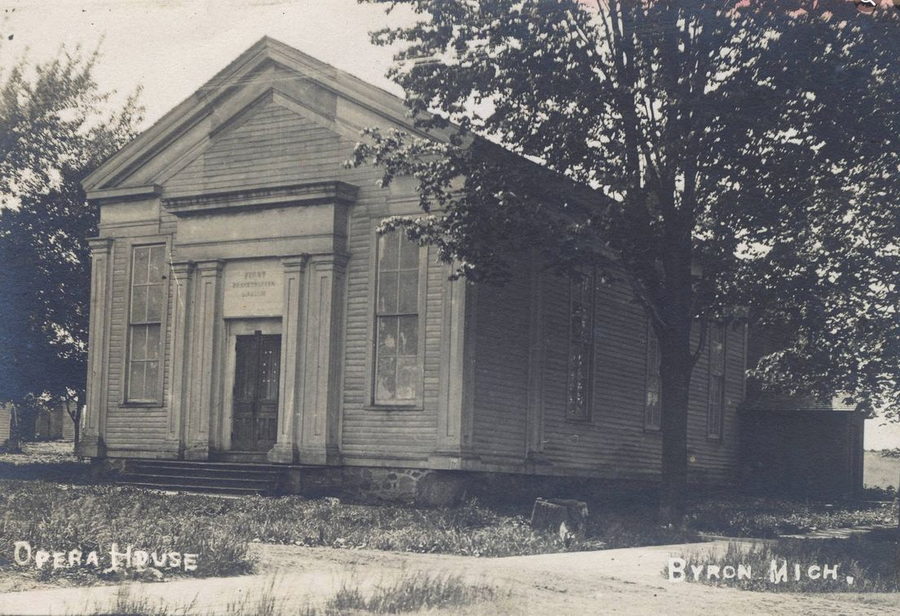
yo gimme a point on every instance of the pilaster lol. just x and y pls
(319, 417)
(204, 355)
(455, 419)
(92, 437)
(291, 385)
(179, 360)
(534, 445)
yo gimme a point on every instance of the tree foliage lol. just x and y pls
(740, 155)
(56, 126)
(760, 139)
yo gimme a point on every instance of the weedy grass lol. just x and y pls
(93, 518)
(411, 592)
(68, 513)
(863, 565)
(127, 603)
(56, 516)
(741, 516)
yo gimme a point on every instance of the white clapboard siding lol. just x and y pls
(613, 442)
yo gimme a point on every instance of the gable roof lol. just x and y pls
(106, 180)
(266, 51)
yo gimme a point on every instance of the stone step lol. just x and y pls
(202, 476)
(248, 473)
(190, 488)
(202, 480)
(192, 464)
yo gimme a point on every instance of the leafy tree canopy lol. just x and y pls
(56, 126)
(740, 155)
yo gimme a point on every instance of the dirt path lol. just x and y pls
(625, 581)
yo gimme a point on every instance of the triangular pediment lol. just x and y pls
(274, 111)
(267, 144)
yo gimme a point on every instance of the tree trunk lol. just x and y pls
(675, 376)
(675, 367)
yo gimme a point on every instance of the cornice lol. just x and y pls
(339, 193)
(125, 193)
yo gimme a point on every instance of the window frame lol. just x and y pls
(158, 400)
(371, 401)
(590, 343)
(651, 339)
(716, 408)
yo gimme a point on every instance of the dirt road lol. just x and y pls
(627, 582)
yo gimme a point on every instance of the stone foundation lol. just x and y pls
(447, 488)
(362, 483)
(432, 488)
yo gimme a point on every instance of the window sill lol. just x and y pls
(393, 407)
(141, 404)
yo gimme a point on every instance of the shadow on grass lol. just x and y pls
(63, 472)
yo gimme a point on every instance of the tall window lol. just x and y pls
(716, 407)
(397, 321)
(652, 409)
(148, 293)
(581, 347)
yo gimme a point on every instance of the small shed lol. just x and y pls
(816, 452)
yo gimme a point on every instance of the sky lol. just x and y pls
(172, 47)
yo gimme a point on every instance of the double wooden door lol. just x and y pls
(254, 424)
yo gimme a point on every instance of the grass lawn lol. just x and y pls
(800, 565)
(66, 512)
(741, 516)
(60, 517)
(880, 471)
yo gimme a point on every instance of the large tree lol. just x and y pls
(56, 126)
(741, 155)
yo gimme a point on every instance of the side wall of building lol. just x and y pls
(520, 387)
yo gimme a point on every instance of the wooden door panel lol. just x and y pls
(255, 394)
(267, 386)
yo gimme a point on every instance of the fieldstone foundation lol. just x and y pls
(405, 485)
(447, 488)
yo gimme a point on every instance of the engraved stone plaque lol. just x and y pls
(253, 288)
